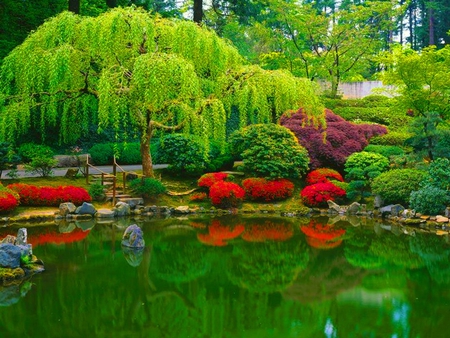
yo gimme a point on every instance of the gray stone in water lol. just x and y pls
(397, 210)
(22, 237)
(183, 209)
(133, 256)
(122, 209)
(133, 237)
(408, 213)
(334, 206)
(11, 294)
(67, 208)
(10, 255)
(86, 208)
(66, 227)
(105, 213)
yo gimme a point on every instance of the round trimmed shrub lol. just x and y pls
(207, 180)
(185, 154)
(102, 153)
(130, 153)
(318, 194)
(262, 189)
(395, 186)
(270, 151)
(8, 201)
(429, 200)
(147, 187)
(387, 151)
(362, 160)
(323, 175)
(226, 194)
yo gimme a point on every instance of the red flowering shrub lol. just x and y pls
(49, 196)
(219, 233)
(199, 196)
(343, 138)
(8, 201)
(262, 189)
(207, 180)
(318, 194)
(322, 236)
(267, 231)
(323, 175)
(226, 194)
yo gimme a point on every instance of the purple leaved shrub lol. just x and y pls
(343, 138)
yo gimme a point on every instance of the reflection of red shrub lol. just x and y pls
(322, 236)
(323, 175)
(267, 231)
(262, 189)
(57, 238)
(319, 193)
(218, 233)
(207, 180)
(199, 196)
(226, 194)
(8, 201)
(50, 196)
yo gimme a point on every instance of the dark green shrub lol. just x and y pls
(129, 153)
(185, 154)
(102, 153)
(8, 158)
(429, 200)
(438, 174)
(387, 151)
(270, 151)
(97, 192)
(219, 159)
(28, 151)
(147, 187)
(395, 186)
(364, 159)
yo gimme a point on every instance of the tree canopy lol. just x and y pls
(128, 69)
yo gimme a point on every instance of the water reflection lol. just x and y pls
(234, 277)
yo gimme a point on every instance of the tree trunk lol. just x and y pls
(74, 6)
(431, 40)
(147, 164)
(198, 11)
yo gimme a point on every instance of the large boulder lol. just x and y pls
(86, 208)
(122, 209)
(67, 208)
(10, 255)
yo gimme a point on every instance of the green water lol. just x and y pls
(232, 277)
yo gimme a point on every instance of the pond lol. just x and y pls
(233, 277)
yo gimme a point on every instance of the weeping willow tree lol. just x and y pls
(131, 71)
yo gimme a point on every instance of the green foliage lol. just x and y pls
(395, 186)
(438, 174)
(102, 153)
(147, 187)
(429, 200)
(270, 151)
(8, 158)
(361, 169)
(97, 191)
(392, 138)
(38, 158)
(218, 159)
(185, 154)
(386, 151)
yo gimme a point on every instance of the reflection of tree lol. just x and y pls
(436, 255)
(218, 233)
(357, 250)
(180, 259)
(267, 266)
(322, 236)
(326, 276)
(395, 250)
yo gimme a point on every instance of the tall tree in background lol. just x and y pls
(127, 70)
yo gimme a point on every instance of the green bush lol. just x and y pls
(185, 154)
(392, 138)
(438, 174)
(102, 153)
(147, 187)
(8, 159)
(270, 151)
(129, 153)
(429, 200)
(28, 151)
(387, 151)
(219, 159)
(38, 158)
(395, 186)
(362, 160)
(97, 192)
